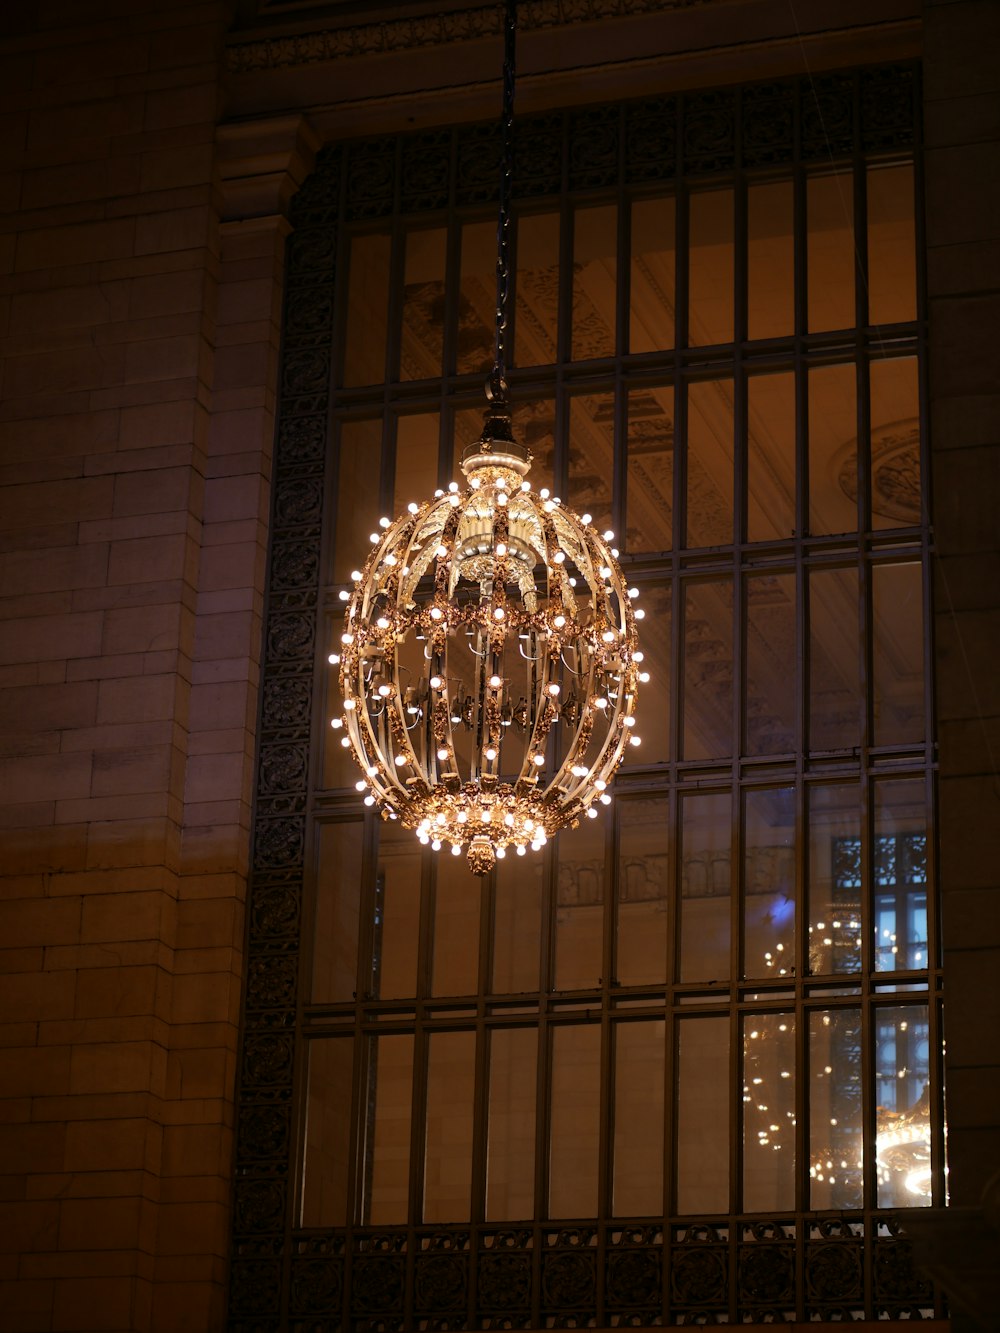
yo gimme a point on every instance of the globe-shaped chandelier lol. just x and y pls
(489, 663)
(489, 659)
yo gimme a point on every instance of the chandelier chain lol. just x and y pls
(498, 379)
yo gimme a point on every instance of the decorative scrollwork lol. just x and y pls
(710, 132)
(271, 981)
(634, 1277)
(593, 147)
(274, 911)
(370, 179)
(317, 1286)
(282, 767)
(698, 1274)
(377, 1284)
(263, 1132)
(424, 172)
(311, 250)
(827, 116)
(504, 1281)
(301, 440)
(259, 1205)
(294, 565)
(285, 702)
(298, 501)
(768, 124)
(568, 1280)
(833, 1272)
(651, 140)
(896, 1275)
(254, 1287)
(440, 1282)
(766, 1273)
(267, 1059)
(306, 370)
(289, 636)
(279, 843)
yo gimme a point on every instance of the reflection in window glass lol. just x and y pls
(711, 274)
(770, 457)
(834, 670)
(387, 1141)
(638, 1146)
(358, 466)
(708, 675)
(416, 460)
(367, 309)
(510, 1163)
(835, 879)
(338, 898)
(651, 294)
(771, 702)
(706, 887)
(536, 321)
(770, 260)
(830, 250)
(701, 1172)
(456, 927)
(768, 1112)
(769, 883)
(422, 340)
(902, 1110)
(836, 1155)
(895, 443)
(591, 456)
(892, 262)
(328, 1125)
(710, 430)
(595, 249)
(575, 1120)
(396, 914)
(580, 903)
(833, 450)
(517, 923)
(650, 493)
(898, 654)
(900, 885)
(535, 426)
(643, 876)
(477, 299)
(451, 1067)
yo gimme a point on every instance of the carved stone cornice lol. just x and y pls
(427, 30)
(262, 163)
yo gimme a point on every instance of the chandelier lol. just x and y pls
(489, 660)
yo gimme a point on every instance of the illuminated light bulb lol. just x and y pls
(605, 572)
(586, 518)
(508, 819)
(501, 498)
(474, 483)
(441, 552)
(436, 613)
(640, 613)
(441, 819)
(453, 501)
(384, 691)
(413, 508)
(334, 659)
(609, 536)
(435, 682)
(628, 721)
(520, 849)
(336, 723)
(591, 813)
(600, 702)
(501, 548)
(369, 800)
(422, 837)
(538, 759)
(391, 559)
(361, 785)
(498, 613)
(615, 552)
(644, 677)
(438, 493)
(608, 636)
(495, 682)
(373, 538)
(343, 595)
(553, 689)
(635, 740)
(462, 817)
(382, 623)
(442, 754)
(633, 592)
(549, 506)
(529, 825)
(491, 754)
(544, 492)
(600, 784)
(436, 845)
(572, 583)
(559, 622)
(456, 849)
(349, 704)
(501, 852)
(400, 760)
(525, 486)
(345, 741)
(604, 798)
(372, 771)
(559, 557)
(347, 638)
(384, 522)
(453, 486)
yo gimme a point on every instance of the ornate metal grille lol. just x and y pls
(728, 1264)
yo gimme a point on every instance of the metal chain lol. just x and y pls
(498, 379)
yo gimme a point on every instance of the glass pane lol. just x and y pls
(651, 296)
(895, 436)
(422, 338)
(416, 460)
(770, 457)
(575, 1120)
(701, 1171)
(892, 249)
(900, 889)
(395, 930)
(654, 704)
(338, 898)
(898, 654)
(710, 272)
(834, 672)
(836, 1157)
(457, 896)
(592, 456)
(830, 249)
(710, 463)
(510, 1161)
(367, 310)
(770, 261)
(771, 699)
(768, 1112)
(638, 1146)
(358, 513)
(537, 290)
(328, 1133)
(835, 879)
(535, 426)
(650, 493)
(706, 887)
(451, 1071)
(833, 450)
(595, 250)
(902, 1110)
(477, 299)
(769, 880)
(467, 426)
(387, 1156)
(708, 670)
(643, 876)
(517, 923)
(580, 903)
